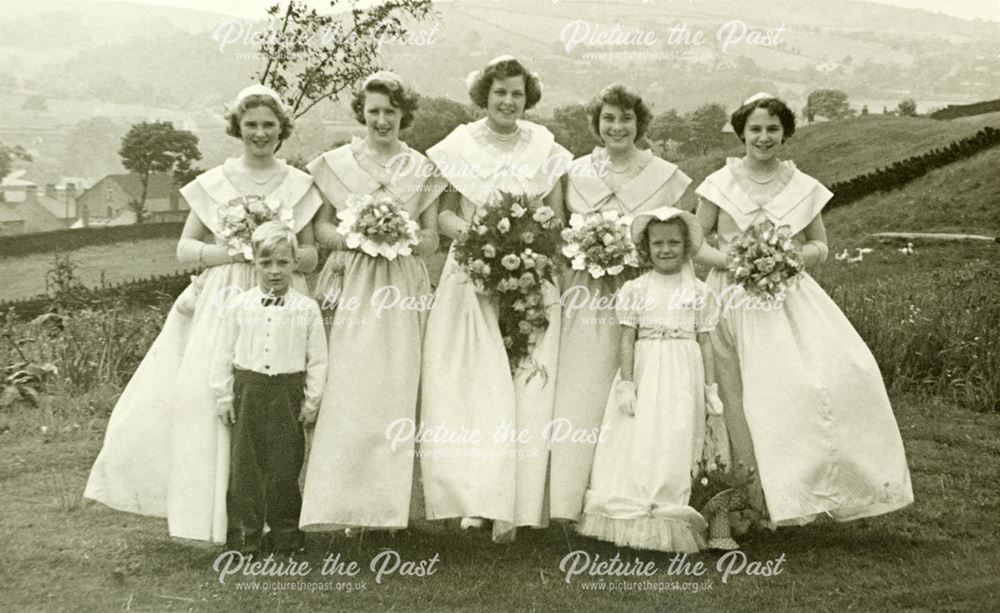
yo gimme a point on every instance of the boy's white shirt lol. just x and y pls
(270, 340)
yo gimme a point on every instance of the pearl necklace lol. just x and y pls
(628, 164)
(500, 135)
(746, 171)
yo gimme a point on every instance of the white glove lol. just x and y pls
(712, 400)
(625, 396)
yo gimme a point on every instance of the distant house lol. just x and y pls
(26, 209)
(107, 202)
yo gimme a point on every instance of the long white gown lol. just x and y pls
(641, 481)
(356, 475)
(816, 410)
(165, 452)
(590, 337)
(466, 383)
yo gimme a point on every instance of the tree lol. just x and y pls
(158, 147)
(829, 103)
(313, 57)
(908, 108)
(669, 126)
(434, 120)
(706, 128)
(9, 154)
(571, 127)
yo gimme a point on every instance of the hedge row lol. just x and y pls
(139, 292)
(954, 111)
(900, 173)
(43, 242)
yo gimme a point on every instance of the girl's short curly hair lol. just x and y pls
(235, 114)
(400, 97)
(479, 90)
(620, 97)
(642, 247)
(774, 106)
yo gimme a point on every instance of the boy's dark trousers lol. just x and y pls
(265, 460)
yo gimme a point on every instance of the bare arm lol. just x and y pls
(708, 217)
(815, 250)
(707, 357)
(308, 255)
(554, 200)
(627, 352)
(428, 230)
(449, 222)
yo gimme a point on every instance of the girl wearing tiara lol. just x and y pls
(624, 179)
(165, 453)
(466, 384)
(656, 413)
(803, 393)
(357, 476)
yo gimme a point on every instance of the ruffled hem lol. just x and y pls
(648, 532)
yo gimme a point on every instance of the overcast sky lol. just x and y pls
(252, 9)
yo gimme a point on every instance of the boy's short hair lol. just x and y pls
(270, 234)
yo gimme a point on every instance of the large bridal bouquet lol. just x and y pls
(764, 261)
(378, 227)
(600, 244)
(509, 253)
(240, 216)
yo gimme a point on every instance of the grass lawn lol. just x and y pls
(24, 276)
(942, 553)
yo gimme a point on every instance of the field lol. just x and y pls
(932, 319)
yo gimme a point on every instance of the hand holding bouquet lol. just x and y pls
(764, 261)
(239, 217)
(600, 243)
(378, 227)
(508, 253)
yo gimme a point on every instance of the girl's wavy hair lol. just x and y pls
(642, 247)
(482, 81)
(400, 97)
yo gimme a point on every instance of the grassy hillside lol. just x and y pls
(835, 151)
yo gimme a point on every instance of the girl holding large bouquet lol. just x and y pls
(618, 181)
(803, 394)
(484, 455)
(166, 453)
(376, 293)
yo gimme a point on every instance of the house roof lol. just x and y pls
(9, 214)
(161, 185)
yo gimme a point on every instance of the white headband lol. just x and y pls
(384, 75)
(258, 89)
(756, 97)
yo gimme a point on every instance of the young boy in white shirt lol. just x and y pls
(268, 375)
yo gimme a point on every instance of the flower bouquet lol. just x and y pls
(764, 261)
(378, 227)
(717, 490)
(600, 244)
(241, 216)
(509, 253)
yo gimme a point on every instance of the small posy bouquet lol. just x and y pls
(378, 227)
(240, 216)
(600, 244)
(509, 253)
(764, 260)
